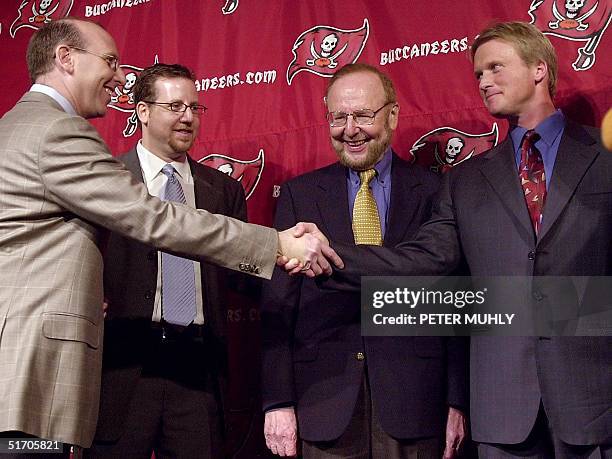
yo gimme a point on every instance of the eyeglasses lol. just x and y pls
(179, 107)
(361, 117)
(112, 61)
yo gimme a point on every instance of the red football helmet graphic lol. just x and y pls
(322, 49)
(247, 173)
(445, 147)
(576, 20)
(35, 13)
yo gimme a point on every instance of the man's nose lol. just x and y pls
(485, 82)
(351, 127)
(187, 115)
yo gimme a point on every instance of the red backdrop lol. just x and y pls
(262, 69)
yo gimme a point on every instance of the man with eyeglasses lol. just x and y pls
(346, 395)
(161, 382)
(536, 206)
(60, 189)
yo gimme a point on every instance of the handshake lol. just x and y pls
(304, 249)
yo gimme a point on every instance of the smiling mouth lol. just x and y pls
(355, 143)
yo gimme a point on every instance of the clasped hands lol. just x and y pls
(304, 249)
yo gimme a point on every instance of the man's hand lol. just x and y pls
(456, 428)
(280, 430)
(305, 249)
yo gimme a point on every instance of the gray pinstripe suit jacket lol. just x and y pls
(59, 187)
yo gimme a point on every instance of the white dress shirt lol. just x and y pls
(155, 181)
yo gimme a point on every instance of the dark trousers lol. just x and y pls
(365, 439)
(175, 410)
(542, 443)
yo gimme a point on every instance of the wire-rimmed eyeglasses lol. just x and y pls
(179, 107)
(361, 117)
(112, 61)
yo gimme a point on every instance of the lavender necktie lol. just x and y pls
(178, 276)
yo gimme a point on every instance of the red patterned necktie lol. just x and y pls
(533, 178)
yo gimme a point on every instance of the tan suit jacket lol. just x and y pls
(59, 189)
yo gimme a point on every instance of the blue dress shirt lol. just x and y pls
(550, 131)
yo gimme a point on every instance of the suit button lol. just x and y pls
(152, 255)
(531, 255)
(242, 267)
(360, 356)
(257, 270)
(148, 295)
(537, 296)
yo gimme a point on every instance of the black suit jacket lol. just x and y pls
(130, 279)
(311, 338)
(481, 214)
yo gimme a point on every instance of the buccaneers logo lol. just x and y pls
(576, 20)
(247, 173)
(36, 13)
(321, 49)
(445, 147)
(123, 98)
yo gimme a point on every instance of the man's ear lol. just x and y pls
(394, 116)
(540, 71)
(142, 112)
(64, 58)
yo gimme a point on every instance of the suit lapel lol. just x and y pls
(403, 204)
(332, 202)
(501, 173)
(130, 159)
(205, 196)
(574, 158)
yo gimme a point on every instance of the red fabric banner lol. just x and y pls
(262, 68)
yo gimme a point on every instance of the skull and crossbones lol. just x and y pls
(326, 58)
(454, 145)
(573, 10)
(42, 15)
(126, 91)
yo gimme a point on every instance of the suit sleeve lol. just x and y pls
(80, 175)
(457, 372)
(280, 299)
(435, 250)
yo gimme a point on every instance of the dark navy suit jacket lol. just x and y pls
(481, 216)
(312, 338)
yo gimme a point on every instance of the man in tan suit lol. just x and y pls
(59, 187)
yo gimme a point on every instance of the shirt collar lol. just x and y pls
(548, 129)
(382, 167)
(56, 96)
(152, 165)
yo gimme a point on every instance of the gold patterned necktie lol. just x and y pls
(366, 222)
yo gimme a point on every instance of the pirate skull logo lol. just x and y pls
(43, 13)
(573, 18)
(326, 58)
(453, 149)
